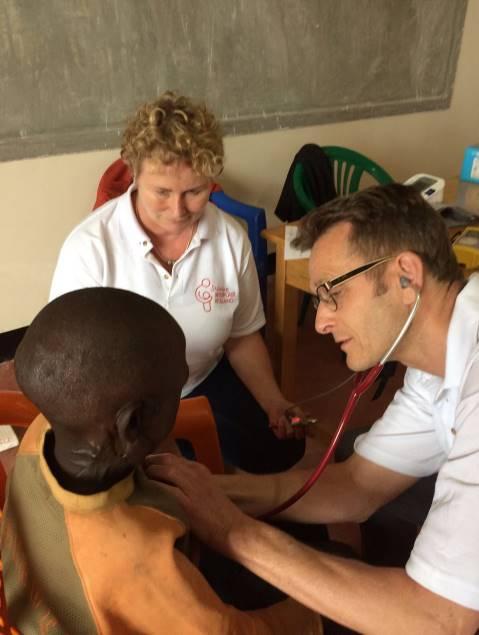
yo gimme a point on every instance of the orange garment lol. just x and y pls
(111, 562)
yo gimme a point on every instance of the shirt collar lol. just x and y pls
(133, 233)
(207, 226)
(462, 336)
(130, 228)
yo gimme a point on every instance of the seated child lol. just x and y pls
(89, 544)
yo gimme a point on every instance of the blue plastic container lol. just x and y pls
(470, 165)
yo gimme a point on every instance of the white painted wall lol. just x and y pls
(42, 199)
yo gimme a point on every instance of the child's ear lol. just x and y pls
(139, 428)
(128, 425)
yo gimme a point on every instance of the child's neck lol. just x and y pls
(76, 472)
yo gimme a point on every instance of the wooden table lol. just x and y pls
(292, 277)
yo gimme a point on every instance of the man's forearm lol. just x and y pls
(255, 493)
(326, 502)
(346, 492)
(364, 598)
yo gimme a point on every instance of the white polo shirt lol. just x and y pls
(212, 291)
(432, 425)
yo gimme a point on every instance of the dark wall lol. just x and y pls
(9, 341)
(72, 70)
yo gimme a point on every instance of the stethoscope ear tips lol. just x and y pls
(404, 282)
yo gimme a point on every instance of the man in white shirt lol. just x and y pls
(373, 253)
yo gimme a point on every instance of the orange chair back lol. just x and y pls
(16, 409)
(195, 423)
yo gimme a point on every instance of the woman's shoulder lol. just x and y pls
(99, 222)
(225, 222)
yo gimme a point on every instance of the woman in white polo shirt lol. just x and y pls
(165, 240)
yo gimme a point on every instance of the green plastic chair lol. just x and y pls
(348, 168)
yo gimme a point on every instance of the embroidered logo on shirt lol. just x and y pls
(203, 294)
(207, 292)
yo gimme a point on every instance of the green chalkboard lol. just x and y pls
(71, 71)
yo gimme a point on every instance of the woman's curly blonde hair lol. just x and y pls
(174, 128)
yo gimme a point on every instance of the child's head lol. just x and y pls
(106, 367)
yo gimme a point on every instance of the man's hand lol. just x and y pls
(212, 515)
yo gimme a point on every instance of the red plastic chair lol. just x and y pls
(114, 182)
(16, 409)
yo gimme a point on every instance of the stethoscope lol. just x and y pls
(362, 381)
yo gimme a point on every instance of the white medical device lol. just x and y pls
(430, 187)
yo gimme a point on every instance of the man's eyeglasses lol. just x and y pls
(324, 291)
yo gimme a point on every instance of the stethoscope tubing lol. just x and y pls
(362, 381)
